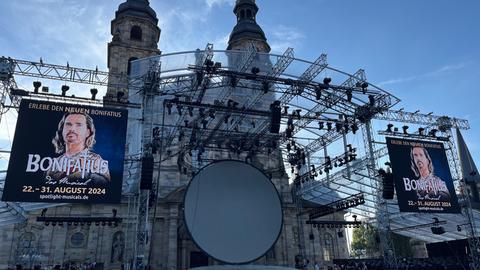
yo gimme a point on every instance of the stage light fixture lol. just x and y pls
(54, 223)
(433, 132)
(338, 126)
(321, 125)
(318, 93)
(179, 109)
(329, 126)
(459, 229)
(421, 130)
(371, 100)
(389, 128)
(255, 70)
(36, 86)
(349, 95)
(327, 81)
(64, 89)
(405, 129)
(120, 95)
(94, 92)
(45, 89)
(47, 223)
(265, 86)
(354, 128)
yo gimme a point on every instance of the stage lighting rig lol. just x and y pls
(336, 206)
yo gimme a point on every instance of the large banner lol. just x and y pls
(66, 153)
(422, 176)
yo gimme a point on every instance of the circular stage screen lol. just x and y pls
(233, 211)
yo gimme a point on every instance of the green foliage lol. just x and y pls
(364, 242)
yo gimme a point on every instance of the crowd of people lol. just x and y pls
(437, 263)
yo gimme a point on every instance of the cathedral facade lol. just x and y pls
(135, 35)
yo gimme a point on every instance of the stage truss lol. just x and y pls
(190, 108)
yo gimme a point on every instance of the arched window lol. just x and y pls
(118, 247)
(328, 253)
(249, 14)
(129, 67)
(242, 14)
(136, 33)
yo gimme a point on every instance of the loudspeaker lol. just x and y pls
(146, 177)
(388, 186)
(276, 111)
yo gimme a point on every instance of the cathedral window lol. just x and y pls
(136, 33)
(328, 252)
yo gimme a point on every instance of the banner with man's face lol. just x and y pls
(66, 153)
(423, 182)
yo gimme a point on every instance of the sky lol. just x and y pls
(427, 53)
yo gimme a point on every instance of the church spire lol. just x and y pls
(247, 30)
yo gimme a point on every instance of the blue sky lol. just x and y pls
(426, 52)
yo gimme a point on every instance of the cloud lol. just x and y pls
(434, 73)
(211, 3)
(283, 37)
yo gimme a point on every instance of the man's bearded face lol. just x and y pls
(75, 129)
(420, 159)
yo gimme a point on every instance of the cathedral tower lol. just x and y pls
(135, 35)
(247, 30)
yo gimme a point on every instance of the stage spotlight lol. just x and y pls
(120, 95)
(329, 126)
(69, 223)
(327, 81)
(420, 131)
(36, 86)
(354, 128)
(321, 125)
(265, 87)
(45, 89)
(433, 132)
(255, 70)
(389, 128)
(94, 93)
(349, 95)
(75, 223)
(47, 223)
(179, 109)
(54, 223)
(405, 129)
(371, 100)
(97, 223)
(338, 126)
(459, 229)
(318, 93)
(65, 88)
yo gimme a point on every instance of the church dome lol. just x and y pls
(247, 29)
(137, 8)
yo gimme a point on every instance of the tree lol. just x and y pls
(364, 242)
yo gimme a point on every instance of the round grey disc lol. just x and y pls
(233, 211)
